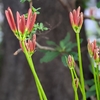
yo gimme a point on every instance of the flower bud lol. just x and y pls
(76, 19)
(10, 19)
(30, 44)
(96, 56)
(71, 62)
(76, 81)
(91, 47)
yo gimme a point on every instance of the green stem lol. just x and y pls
(36, 78)
(39, 92)
(97, 75)
(79, 81)
(74, 85)
(38, 84)
(95, 80)
(80, 66)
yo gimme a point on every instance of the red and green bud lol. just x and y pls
(24, 25)
(94, 51)
(10, 19)
(20, 23)
(96, 56)
(30, 44)
(76, 19)
(91, 47)
(30, 20)
(71, 62)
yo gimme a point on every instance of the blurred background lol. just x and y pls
(16, 80)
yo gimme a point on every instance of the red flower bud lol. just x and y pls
(10, 19)
(91, 47)
(30, 44)
(71, 62)
(23, 25)
(20, 23)
(96, 56)
(76, 19)
(30, 20)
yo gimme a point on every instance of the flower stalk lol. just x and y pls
(41, 92)
(94, 52)
(22, 31)
(76, 19)
(75, 85)
(80, 66)
(75, 81)
(95, 78)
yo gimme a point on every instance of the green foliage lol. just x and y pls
(63, 43)
(51, 43)
(39, 27)
(64, 59)
(36, 10)
(63, 49)
(98, 4)
(49, 56)
(22, 1)
(66, 45)
(92, 89)
(89, 82)
(90, 93)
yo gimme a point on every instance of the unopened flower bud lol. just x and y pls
(71, 62)
(91, 47)
(76, 19)
(96, 56)
(30, 44)
(76, 82)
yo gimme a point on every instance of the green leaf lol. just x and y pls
(92, 88)
(70, 46)
(51, 43)
(65, 41)
(45, 28)
(22, 1)
(98, 4)
(36, 10)
(89, 82)
(63, 59)
(75, 55)
(41, 26)
(90, 93)
(67, 38)
(49, 56)
(62, 45)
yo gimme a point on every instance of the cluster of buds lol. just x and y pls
(24, 26)
(94, 51)
(76, 19)
(30, 45)
(71, 62)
